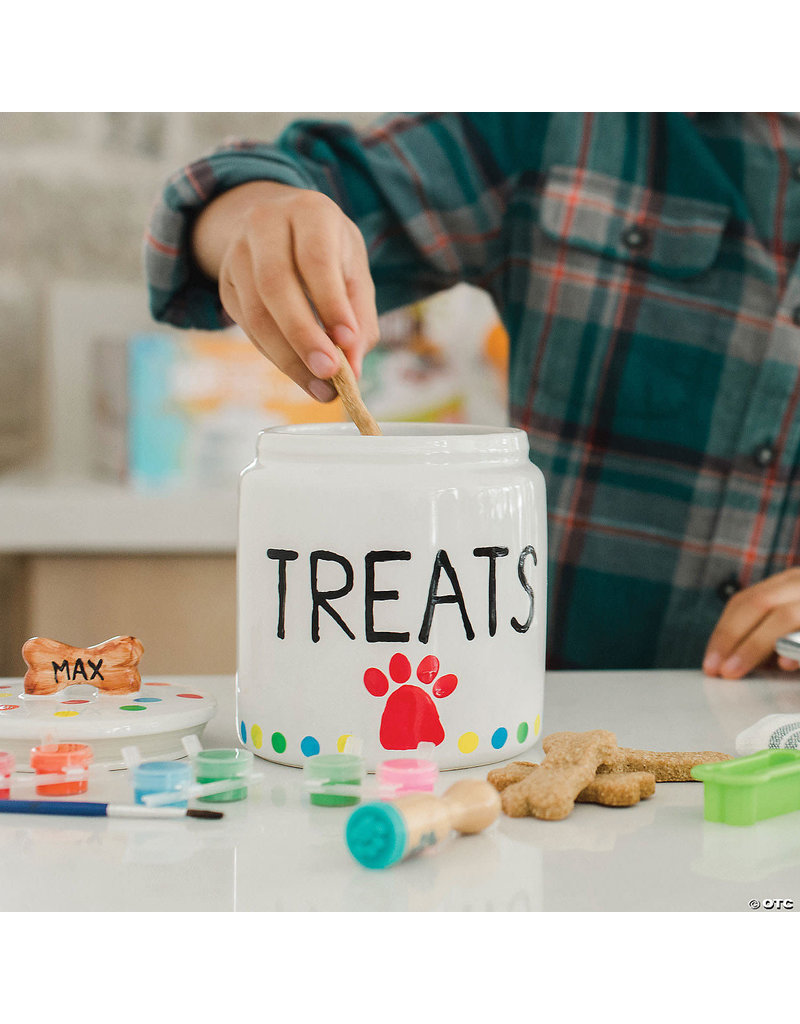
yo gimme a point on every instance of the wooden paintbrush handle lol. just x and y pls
(344, 381)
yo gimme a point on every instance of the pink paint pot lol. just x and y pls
(71, 760)
(7, 764)
(406, 775)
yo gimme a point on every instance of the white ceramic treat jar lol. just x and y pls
(391, 589)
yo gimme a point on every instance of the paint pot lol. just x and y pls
(333, 772)
(223, 764)
(69, 759)
(411, 612)
(162, 777)
(7, 764)
(406, 775)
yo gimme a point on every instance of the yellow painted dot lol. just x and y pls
(537, 724)
(341, 743)
(468, 742)
(64, 714)
(256, 736)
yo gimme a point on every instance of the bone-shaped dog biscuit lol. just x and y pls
(666, 766)
(550, 791)
(502, 778)
(620, 789)
(112, 666)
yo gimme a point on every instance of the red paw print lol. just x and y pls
(410, 716)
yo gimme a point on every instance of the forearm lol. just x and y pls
(423, 190)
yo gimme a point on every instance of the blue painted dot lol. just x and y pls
(309, 746)
(499, 738)
(243, 732)
(147, 700)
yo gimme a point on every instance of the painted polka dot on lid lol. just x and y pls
(74, 701)
(147, 700)
(499, 737)
(278, 741)
(8, 707)
(65, 714)
(131, 707)
(193, 696)
(309, 746)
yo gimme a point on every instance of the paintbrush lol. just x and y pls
(86, 809)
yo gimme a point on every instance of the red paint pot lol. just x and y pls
(69, 759)
(6, 771)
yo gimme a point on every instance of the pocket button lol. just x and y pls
(728, 588)
(764, 455)
(635, 237)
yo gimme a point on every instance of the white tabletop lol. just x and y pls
(276, 852)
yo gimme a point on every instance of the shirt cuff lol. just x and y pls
(179, 292)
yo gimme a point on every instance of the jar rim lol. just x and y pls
(423, 441)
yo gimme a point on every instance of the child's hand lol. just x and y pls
(275, 250)
(753, 620)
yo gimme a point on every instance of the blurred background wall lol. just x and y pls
(75, 193)
(84, 558)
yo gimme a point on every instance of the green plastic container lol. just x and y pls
(329, 776)
(748, 789)
(223, 764)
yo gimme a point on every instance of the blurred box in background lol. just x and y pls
(183, 408)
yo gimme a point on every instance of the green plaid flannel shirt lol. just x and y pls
(646, 269)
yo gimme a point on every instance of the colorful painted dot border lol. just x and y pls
(467, 743)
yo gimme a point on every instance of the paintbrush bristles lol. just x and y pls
(344, 381)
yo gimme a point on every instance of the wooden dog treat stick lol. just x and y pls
(344, 380)
(112, 666)
(666, 766)
(550, 790)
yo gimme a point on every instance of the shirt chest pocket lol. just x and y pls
(622, 273)
(668, 236)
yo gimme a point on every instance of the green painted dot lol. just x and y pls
(522, 732)
(278, 742)
(132, 707)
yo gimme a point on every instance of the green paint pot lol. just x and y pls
(222, 764)
(329, 774)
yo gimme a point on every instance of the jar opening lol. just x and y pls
(423, 442)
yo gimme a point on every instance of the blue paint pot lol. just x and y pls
(162, 777)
